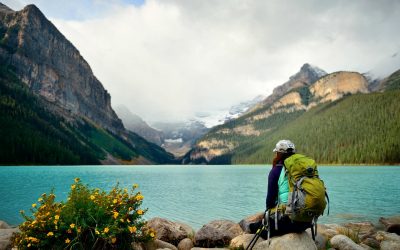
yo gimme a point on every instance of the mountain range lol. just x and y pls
(333, 117)
(53, 111)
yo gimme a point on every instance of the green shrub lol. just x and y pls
(89, 219)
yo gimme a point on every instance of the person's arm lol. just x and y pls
(272, 193)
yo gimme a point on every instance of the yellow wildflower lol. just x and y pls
(97, 231)
(77, 180)
(72, 225)
(135, 185)
(34, 205)
(106, 230)
(73, 187)
(57, 217)
(115, 201)
(140, 212)
(67, 241)
(113, 240)
(128, 220)
(55, 222)
(152, 235)
(50, 234)
(92, 197)
(40, 199)
(33, 239)
(115, 214)
(132, 229)
(139, 197)
(121, 220)
(29, 245)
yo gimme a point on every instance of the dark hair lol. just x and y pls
(282, 156)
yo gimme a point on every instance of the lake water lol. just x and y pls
(198, 194)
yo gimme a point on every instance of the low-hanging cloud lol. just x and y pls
(168, 59)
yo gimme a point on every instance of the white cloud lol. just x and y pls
(171, 58)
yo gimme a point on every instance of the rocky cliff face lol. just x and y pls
(334, 86)
(303, 91)
(305, 77)
(52, 67)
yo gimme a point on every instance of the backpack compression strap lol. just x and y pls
(327, 198)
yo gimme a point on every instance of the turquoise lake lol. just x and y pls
(198, 194)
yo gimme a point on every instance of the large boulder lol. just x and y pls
(4, 225)
(245, 223)
(372, 242)
(185, 244)
(292, 241)
(389, 221)
(158, 244)
(320, 240)
(342, 242)
(243, 240)
(5, 237)
(168, 231)
(388, 241)
(329, 230)
(217, 233)
(392, 224)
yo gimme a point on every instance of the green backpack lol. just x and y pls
(307, 192)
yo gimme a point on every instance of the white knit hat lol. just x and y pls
(283, 145)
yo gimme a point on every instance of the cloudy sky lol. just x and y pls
(168, 59)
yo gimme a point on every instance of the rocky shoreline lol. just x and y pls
(227, 234)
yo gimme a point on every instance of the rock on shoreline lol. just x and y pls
(5, 235)
(225, 234)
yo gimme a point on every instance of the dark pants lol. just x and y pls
(285, 226)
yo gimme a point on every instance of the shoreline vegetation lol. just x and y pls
(92, 218)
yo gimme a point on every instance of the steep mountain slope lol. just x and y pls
(53, 109)
(279, 109)
(137, 125)
(52, 67)
(33, 134)
(305, 77)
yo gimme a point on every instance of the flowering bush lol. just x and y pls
(89, 219)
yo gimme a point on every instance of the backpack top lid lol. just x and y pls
(298, 166)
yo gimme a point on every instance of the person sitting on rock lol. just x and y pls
(278, 190)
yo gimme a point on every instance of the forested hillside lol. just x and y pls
(364, 128)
